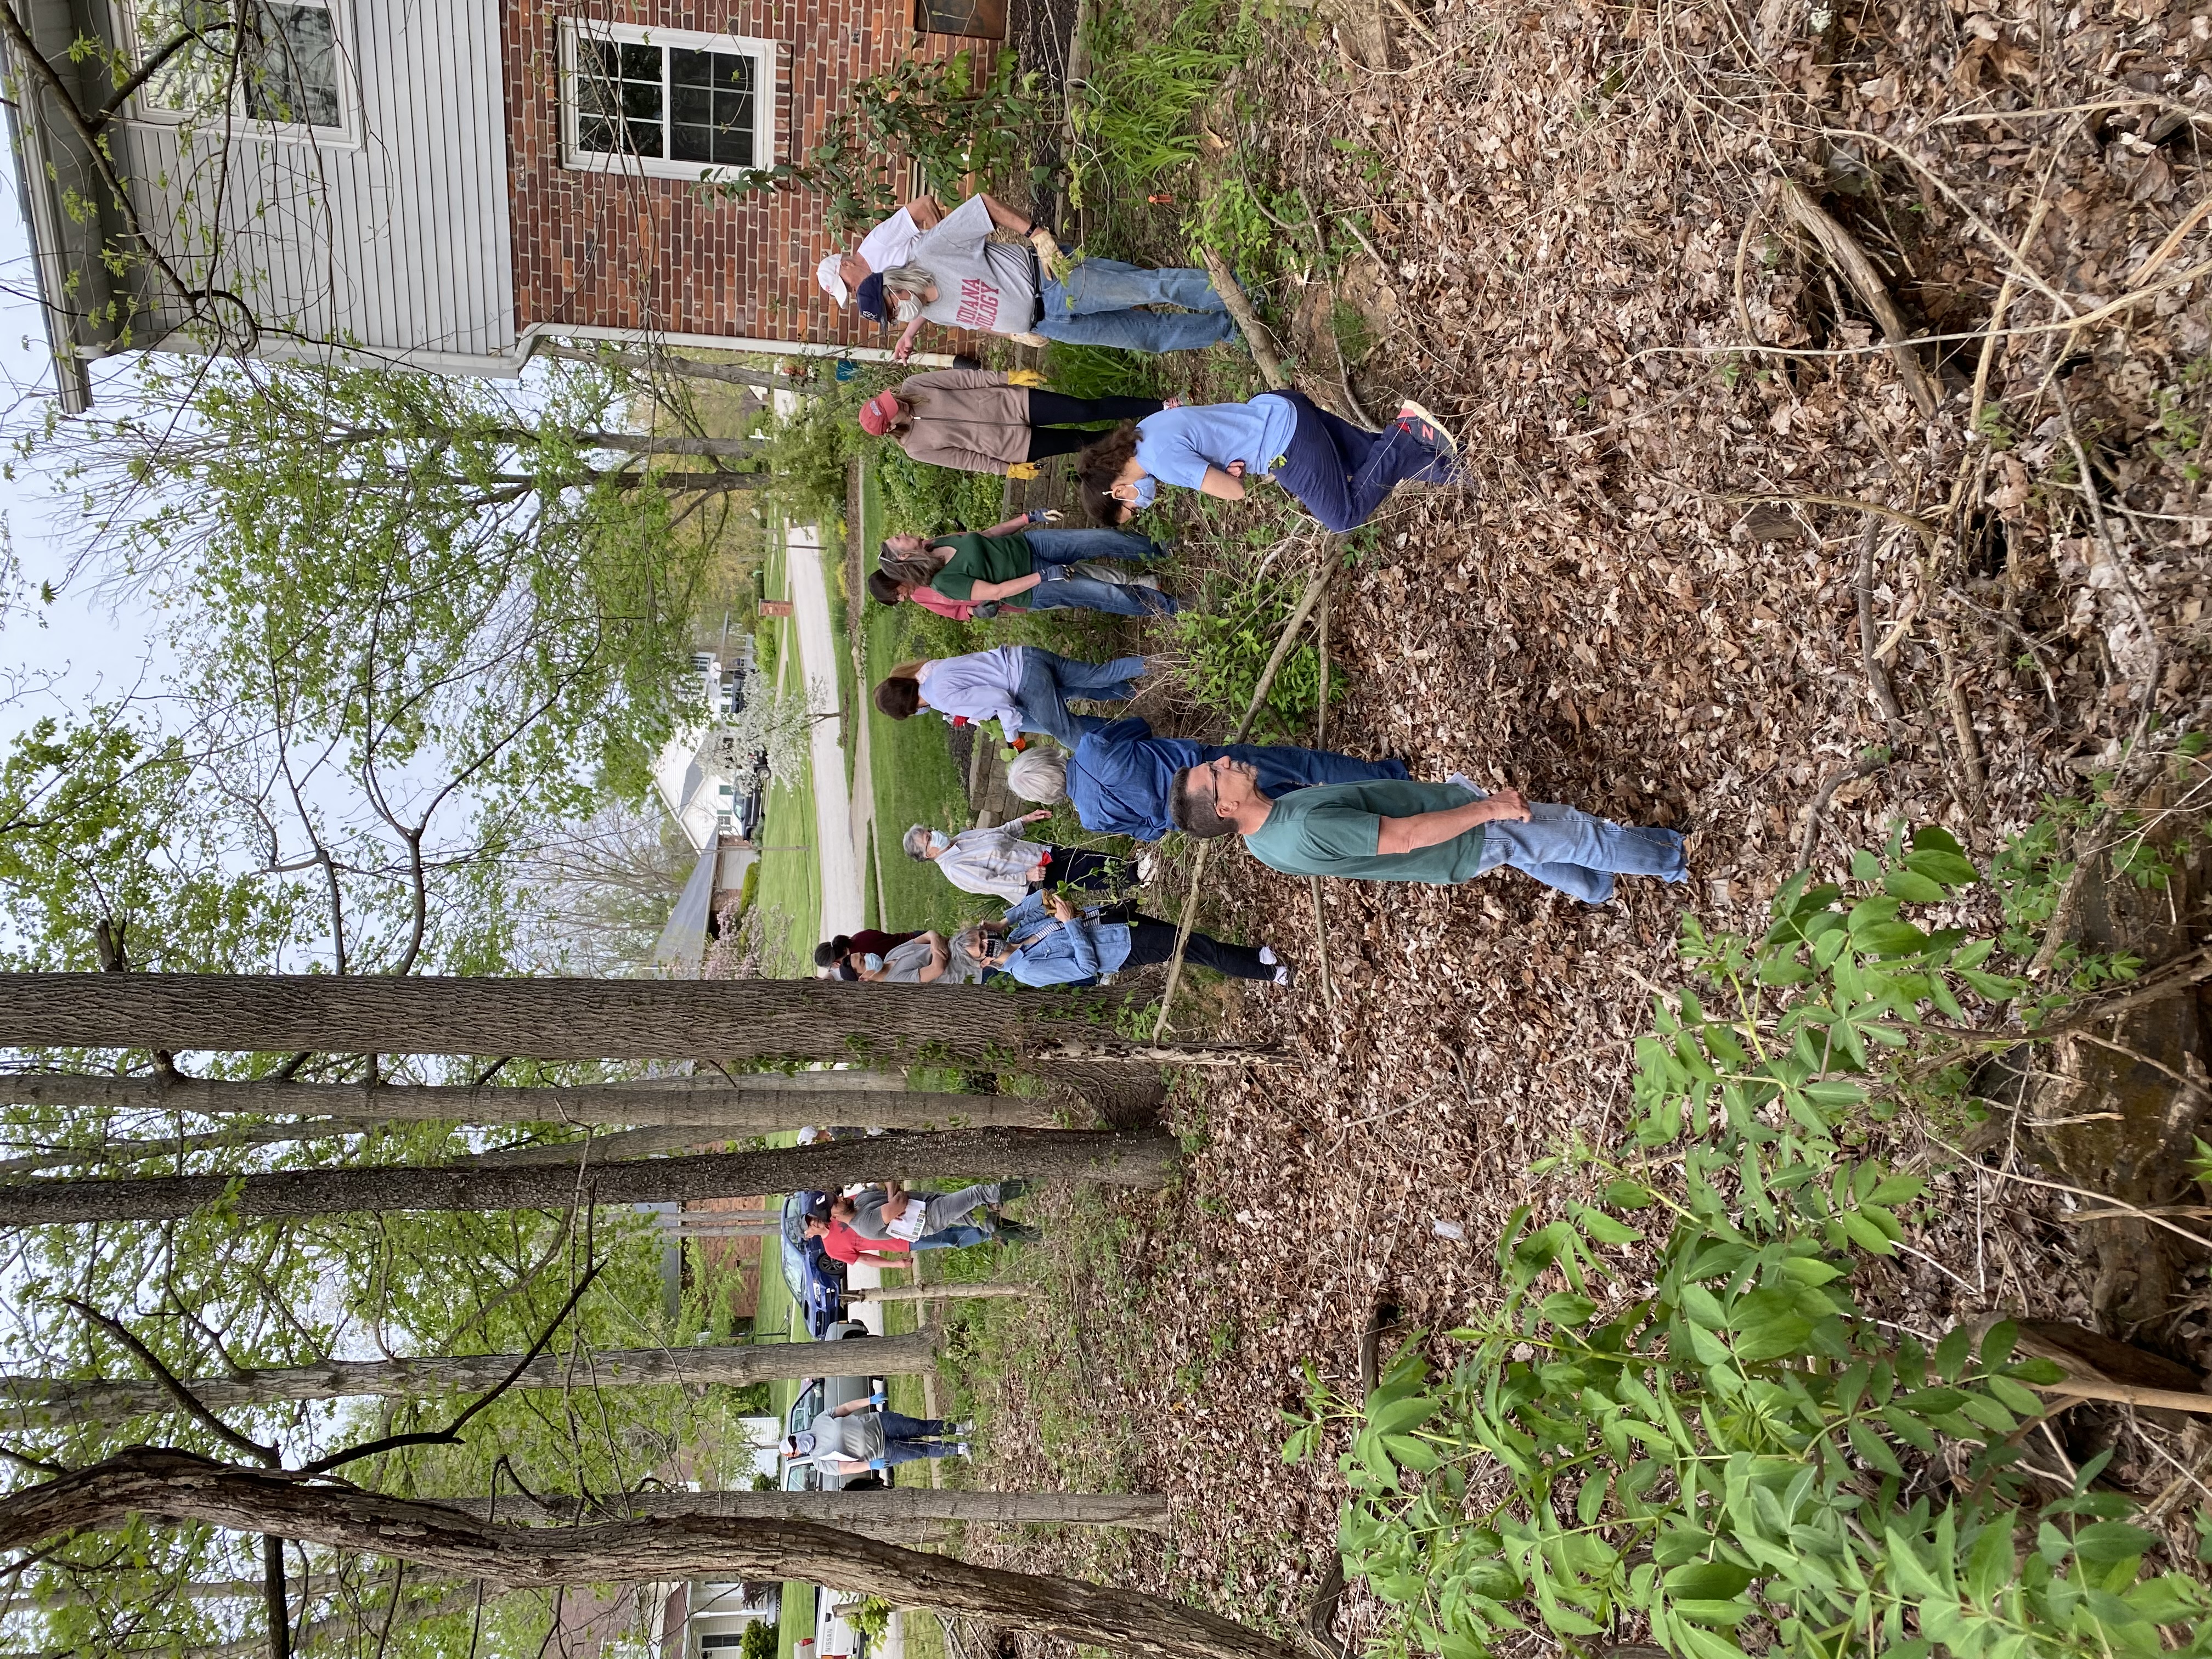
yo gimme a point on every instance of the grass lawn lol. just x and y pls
(916, 782)
(790, 892)
(796, 1619)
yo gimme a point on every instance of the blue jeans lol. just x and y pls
(1086, 594)
(1580, 854)
(1097, 306)
(1049, 680)
(950, 1238)
(1341, 473)
(1060, 548)
(906, 1438)
(1048, 546)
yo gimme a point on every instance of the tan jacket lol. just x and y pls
(974, 419)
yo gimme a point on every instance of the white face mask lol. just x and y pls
(939, 840)
(909, 308)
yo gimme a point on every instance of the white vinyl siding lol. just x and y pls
(665, 103)
(395, 241)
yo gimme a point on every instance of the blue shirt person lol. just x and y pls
(1046, 941)
(1119, 776)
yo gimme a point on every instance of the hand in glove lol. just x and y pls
(1031, 378)
(1043, 515)
(1022, 470)
(1049, 254)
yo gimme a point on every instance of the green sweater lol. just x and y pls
(1334, 829)
(981, 559)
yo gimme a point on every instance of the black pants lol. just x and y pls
(1057, 409)
(1078, 870)
(1151, 941)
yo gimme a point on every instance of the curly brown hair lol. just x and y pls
(1098, 466)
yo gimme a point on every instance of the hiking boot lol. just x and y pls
(1426, 427)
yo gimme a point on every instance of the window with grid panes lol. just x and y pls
(666, 101)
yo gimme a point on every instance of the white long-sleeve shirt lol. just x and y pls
(982, 685)
(996, 862)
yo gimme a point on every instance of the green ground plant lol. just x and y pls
(1135, 120)
(1718, 1445)
(973, 112)
(1224, 646)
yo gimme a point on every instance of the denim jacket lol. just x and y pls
(1041, 950)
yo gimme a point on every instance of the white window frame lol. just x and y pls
(763, 52)
(235, 122)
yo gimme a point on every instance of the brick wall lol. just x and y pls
(624, 252)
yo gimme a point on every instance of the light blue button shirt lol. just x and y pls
(983, 685)
(1177, 445)
(1044, 951)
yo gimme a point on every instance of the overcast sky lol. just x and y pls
(88, 651)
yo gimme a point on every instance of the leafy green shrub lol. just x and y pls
(1132, 123)
(955, 116)
(1089, 370)
(759, 1639)
(873, 1618)
(1721, 1438)
(926, 500)
(1225, 645)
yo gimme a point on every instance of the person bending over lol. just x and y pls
(1025, 688)
(1439, 832)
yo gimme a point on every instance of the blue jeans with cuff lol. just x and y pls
(907, 1439)
(1581, 854)
(1096, 305)
(1049, 680)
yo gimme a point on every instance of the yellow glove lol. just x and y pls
(1022, 470)
(1033, 378)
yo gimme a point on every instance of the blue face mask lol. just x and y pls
(872, 962)
(1146, 487)
(939, 840)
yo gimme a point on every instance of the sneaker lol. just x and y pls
(1016, 1232)
(964, 1451)
(964, 1427)
(1426, 427)
(1268, 955)
(1146, 864)
(1286, 974)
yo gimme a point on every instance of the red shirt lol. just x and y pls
(842, 1244)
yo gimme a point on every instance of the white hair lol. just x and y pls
(915, 840)
(1040, 775)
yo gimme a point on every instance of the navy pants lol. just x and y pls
(1341, 473)
(906, 1438)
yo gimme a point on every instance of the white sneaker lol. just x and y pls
(1268, 955)
(963, 1451)
(1146, 864)
(1286, 974)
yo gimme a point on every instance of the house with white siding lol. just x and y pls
(434, 183)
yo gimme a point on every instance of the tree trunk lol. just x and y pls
(702, 481)
(756, 1103)
(51, 1401)
(551, 1018)
(155, 1481)
(901, 1509)
(662, 362)
(951, 1291)
(1122, 1160)
(657, 443)
(131, 1151)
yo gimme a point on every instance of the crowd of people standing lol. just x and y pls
(1074, 914)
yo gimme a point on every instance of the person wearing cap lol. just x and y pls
(957, 277)
(886, 246)
(979, 419)
(1035, 566)
(862, 1435)
(1339, 473)
(998, 863)
(1025, 688)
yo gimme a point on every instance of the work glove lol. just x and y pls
(1054, 261)
(1043, 515)
(1052, 573)
(1021, 469)
(878, 1463)
(1030, 377)
(876, 1398)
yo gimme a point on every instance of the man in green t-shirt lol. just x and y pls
(1023, 562)
(1395, 829)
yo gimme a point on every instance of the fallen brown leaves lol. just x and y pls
(1575, 206)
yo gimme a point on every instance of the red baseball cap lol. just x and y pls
(879, 412)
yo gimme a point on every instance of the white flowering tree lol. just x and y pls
(777, 724)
